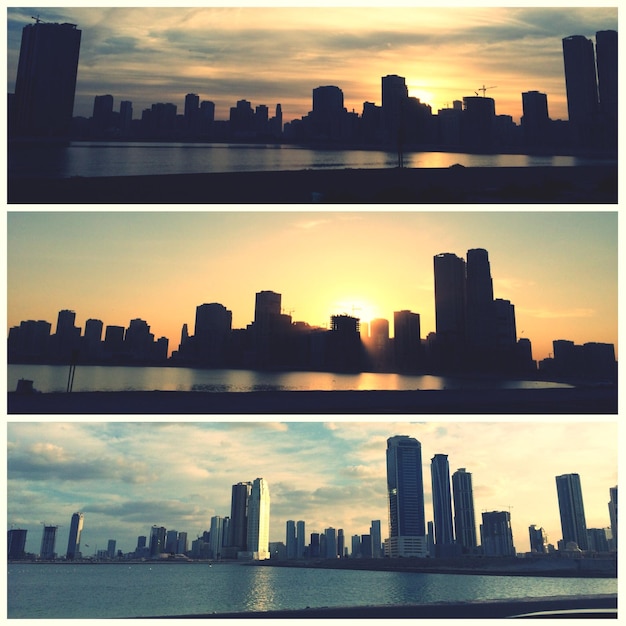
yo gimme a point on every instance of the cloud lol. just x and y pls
(555, 314)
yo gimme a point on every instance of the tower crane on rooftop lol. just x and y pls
(484, 89)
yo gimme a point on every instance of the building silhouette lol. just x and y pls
(73, 542)
(496, 534)
(572, 510)
(16, 538)
(291, 539)
(405, 491)
(464, 517)
(395, 95)
(538, 540)
(407, 342)
(442, 506)
(238, 532)
(48, 540)
(46, 80)
(259, 520)
(300, 539)
(157, 541)
(480, 314)
(613, 515)
(535, 120)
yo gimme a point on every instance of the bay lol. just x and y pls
(152, 589)
(90, 159)
(54, 378)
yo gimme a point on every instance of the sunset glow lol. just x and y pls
(559, 269)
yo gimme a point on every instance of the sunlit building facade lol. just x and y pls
(259, 520)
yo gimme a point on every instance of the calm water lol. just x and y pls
(135, 158)
(147, 590)
(48, 378)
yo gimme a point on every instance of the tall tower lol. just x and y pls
(259, 520)
(300, 538)
(580, 78)
(73, 543)
(613, 514)
(48, 539)
(480, 308)
(239, 516)
(449, 298)
(496, 534)
(406, 340)
(572, 511)
(442, 505)
(405, 489)
(16, 543)
(212, 331)
(464, 518)
(46, 79)
(290, 539)
(394, 98)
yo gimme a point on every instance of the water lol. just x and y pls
(150, 589)
(50, 378)
(135, 158)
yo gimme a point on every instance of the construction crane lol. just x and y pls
(37, 20)
(484, 89)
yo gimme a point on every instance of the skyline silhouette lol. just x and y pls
(250, 49)
(125, 266)
(344, 488)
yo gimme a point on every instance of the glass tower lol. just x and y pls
(464, 517)
(259, 520)
(572, 511)
(405, 488)
(73, 543)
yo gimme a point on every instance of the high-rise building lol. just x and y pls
(48, 539)
(16, 544)
(395, 95)
(331, 543)
(613, 515)
(406, 340)
(480, 308)
(216, 536)
(46, 79)
(496, 534)
(290, 539)
(538, 539)
(572, 510)
(580, 78)
(535, 119)
(211, 334)
(239, 516)
(375, 534)
(102, 116)
(450, 297)
(259, 520)
(442, 505)
(157, 541)
(464, 518)
(181, 546)
(73, 543)
(300, 539)
(171, 541)
(505, 329)
(111, 543)
(328, 112)
(405, 489)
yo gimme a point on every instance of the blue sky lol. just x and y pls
(127, 476)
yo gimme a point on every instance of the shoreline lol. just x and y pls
(574, 400)
(455, 184)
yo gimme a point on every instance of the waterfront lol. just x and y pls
(91, 378)
(104, 159)
(159, 589)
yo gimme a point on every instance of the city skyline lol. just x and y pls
(558, 269)
(260, 53)
(126, 477)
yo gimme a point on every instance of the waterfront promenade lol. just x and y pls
(574, 400)
(455, 184)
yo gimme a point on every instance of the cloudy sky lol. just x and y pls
(125, 476)
(278, 54)
(559, 269)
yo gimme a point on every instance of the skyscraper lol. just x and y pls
(538, 539)
(300, 538)
(48, 539)
(73, 543)
(157, 541)
(239, 517)
(606, 62)
(16, 543)
(572, 511)
(46, 79)
(405, 489)
(259, 520)
(480, 307)
(613, 514)
(442, 505)
(535, 119)
(211, 334)
(464, 518)
(406, 340)
(394, 99)
(496, 534)
(376, 538)
(290, 539)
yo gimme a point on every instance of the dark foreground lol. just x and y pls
(457, 184)
(575, 400)
(599, 606)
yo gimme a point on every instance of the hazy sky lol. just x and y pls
(278, 54)
(558, 268)
(125, 477)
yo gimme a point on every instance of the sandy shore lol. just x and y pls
(456, 184)
(579, 400)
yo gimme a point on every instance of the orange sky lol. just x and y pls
(558, 268)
